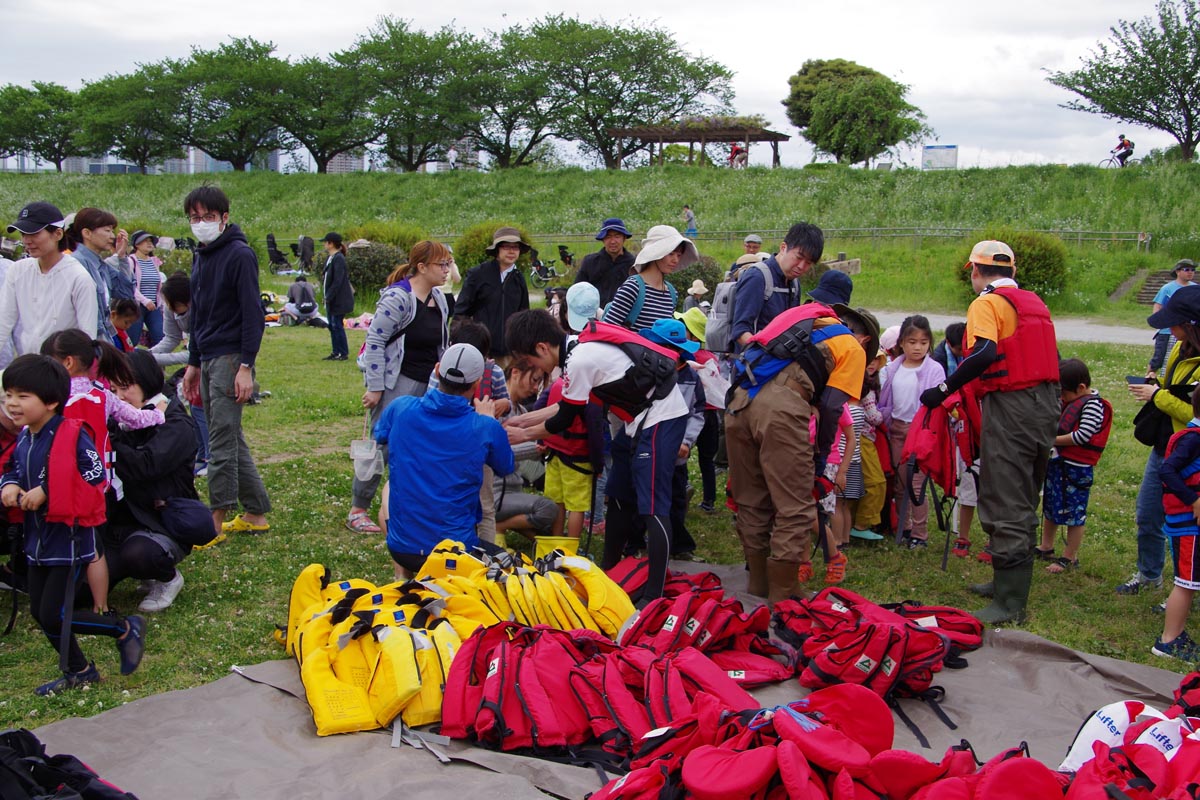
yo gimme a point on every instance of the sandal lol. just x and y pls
(220, 537)
(239, 525)
(361, 523)
(1062, 564)
(1044, 555)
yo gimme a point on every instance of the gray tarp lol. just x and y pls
(239, 738)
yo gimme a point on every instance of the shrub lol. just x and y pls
(369, 267)
(706, 269)
(397, 234)
(471, 247)
(1041, 259)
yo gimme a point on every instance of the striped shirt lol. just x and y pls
(148, 280)
(1091, 420)
(657, 306)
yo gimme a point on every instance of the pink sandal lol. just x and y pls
(361, 523)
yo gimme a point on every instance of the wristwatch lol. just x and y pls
(943, 388)
(251, 366)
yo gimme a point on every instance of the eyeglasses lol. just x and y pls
(1185, 269)
(211, 216)
(445, 264)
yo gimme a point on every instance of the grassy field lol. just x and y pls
(237, 592)
(565, 207)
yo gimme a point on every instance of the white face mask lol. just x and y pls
(206, 232)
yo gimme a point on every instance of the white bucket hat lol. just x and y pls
(659, 242)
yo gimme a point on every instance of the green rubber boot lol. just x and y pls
(983, 589)
(1010, 597)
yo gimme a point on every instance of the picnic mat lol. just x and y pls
(250, 734)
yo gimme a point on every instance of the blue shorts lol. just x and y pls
(1066, 491)
(644, 472)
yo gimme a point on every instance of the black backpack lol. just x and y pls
(27, 772)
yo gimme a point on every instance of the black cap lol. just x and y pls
(36, 216)
(336, 238)
(141, 236)
(1182, 309)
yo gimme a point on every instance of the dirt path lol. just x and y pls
(1068, 330)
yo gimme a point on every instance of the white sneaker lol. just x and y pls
(163, 594)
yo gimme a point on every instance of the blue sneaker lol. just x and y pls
(1181, 647)
(69, 680)
(132, 644)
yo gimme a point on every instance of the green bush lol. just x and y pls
(397, 234)
(471, 248)
(369, 267)
(706, 269)
(1041, 260)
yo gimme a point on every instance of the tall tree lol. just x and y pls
(421, 101)
(863, 118)
(1147, 73)
(44, 122)
(12, 129)
(621, 76)
(512, 91)
(815, 73)
(328, 106)
(139, 116)
(230, 105)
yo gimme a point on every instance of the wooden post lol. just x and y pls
(662, 154)
(775, 163)
(619, 152)
(691, 152)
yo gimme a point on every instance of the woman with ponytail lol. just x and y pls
(91, 233)
(405, 340)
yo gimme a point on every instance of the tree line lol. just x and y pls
(407, 91)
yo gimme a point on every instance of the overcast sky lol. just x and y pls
(977, 70)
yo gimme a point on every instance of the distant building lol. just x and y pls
(346, 162)
(175, 166)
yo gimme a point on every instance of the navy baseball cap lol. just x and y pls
(36, 216)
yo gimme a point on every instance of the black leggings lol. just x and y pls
(47, 596)
(141, 558)
(706, 449)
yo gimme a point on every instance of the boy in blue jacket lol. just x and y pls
(437, 447)
(54, 476)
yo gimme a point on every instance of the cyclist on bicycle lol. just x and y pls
(1124, 148)
(738, 156)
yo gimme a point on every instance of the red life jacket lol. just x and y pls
(91, 409)
(652, 376)
(1030, 355)
(484, 390)
(1088, 453)
(1175, 509)
(769, 336)
(8, 441)
(573, 442)
(72, 500)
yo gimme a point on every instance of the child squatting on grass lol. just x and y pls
(1180, 473)
(55, 476)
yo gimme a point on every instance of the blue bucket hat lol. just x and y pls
(613, 224)
(833, 287)
(672, 333)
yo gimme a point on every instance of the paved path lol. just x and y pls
(1071, 329)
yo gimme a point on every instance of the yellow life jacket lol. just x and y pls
(522, 612)
(337, 707)
(435, 649)
(495, 595)
(397, 676)
(606, 601)
(451, 558)
(569, 601)
(313, 634)
(307, 591)
(353, 650)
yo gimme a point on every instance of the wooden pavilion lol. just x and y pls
(702, 132)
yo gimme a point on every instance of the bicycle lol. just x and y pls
(542, 272)
(1112, 162)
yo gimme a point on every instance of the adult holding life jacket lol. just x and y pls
(753, 306)
(1171, 395)
(809, 359)
(147, 279)
(407, 336)
(636, 379)
(142, 541)
(646, 296)
(608, 267)
(339, 295)
(1013, 361)
(495, 290)
(49, 290)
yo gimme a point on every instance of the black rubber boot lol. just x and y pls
(1010, 598)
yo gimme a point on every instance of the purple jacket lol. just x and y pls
(929, 375)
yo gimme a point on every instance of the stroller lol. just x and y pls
(303, 251)
(279, 261)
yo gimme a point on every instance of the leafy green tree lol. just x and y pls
(232, 100)
(814, 74)
(512, 90)
(328, 106)
(611, 76)
(422, 82)
(1147, 73)
(41, 122)
(860, 119)
(139, 117)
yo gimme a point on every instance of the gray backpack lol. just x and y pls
(717, 336)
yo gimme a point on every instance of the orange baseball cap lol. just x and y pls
(992, 253)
